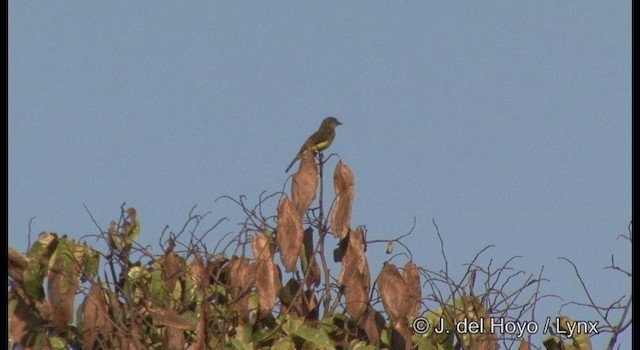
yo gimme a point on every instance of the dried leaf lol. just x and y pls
(95, 318)
(200, 329)
(267, 273)
(240, 278)
(173, 338)
(289, 234)
(304, 183)
(197, 282)
(310, 308)
(170, 319)
(20, 314)
(340, 250)
(344, 186)
(172, 270)
(17, 264)
(287, 292)
(392, 288)
(486, 340)
(354, 258)
(305, 305)
(198, 273)
(401, 335)
(219, 270)
(524, 345)
(411, 276)
(356, 295)
(372, 324)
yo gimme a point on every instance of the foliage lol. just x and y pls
(190, 298)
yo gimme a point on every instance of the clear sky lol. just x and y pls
(508, 123)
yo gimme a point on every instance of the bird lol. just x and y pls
(319, 140)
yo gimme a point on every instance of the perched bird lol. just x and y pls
(320, 140)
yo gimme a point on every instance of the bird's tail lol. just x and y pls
(292, 162)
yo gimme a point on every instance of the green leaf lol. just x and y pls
(316, 337)
(44, 246)
(65, 255)
(91, 261)
(283, 344)
(176, 294)
(246, 331)
(190, 317)
(578, 331)
(33, 278)
(115, 242)
(239, 345)
(360, 345)
(385, 336)
(137, 273)
(553, 342)
(133, 232)
(291, 325)
(157, 287)
(331, 324)
(58, 343)
(38, 259)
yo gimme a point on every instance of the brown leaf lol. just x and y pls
(200, 329)
(310, 308)
(17, 265)
(287, 293)
(486, 340)
(198, 273)
(354, 258)
(304, 184)
(400, 336)
(289, 234)
(241, 277)
(356, 295)
(19, 320)
(524, 345)
(411, 276)
(200, 276)
(170, 319)
(372, 324)
(95, 318)
(392, 288)
(344, 186)
(219, 270)
(305, 305)
(340, 250)
(172, 269)
(173, 339)
(267, 273)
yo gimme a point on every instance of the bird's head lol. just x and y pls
(330, 122)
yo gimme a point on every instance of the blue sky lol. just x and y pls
(507, 123)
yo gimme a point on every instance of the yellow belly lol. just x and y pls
(321, 146)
